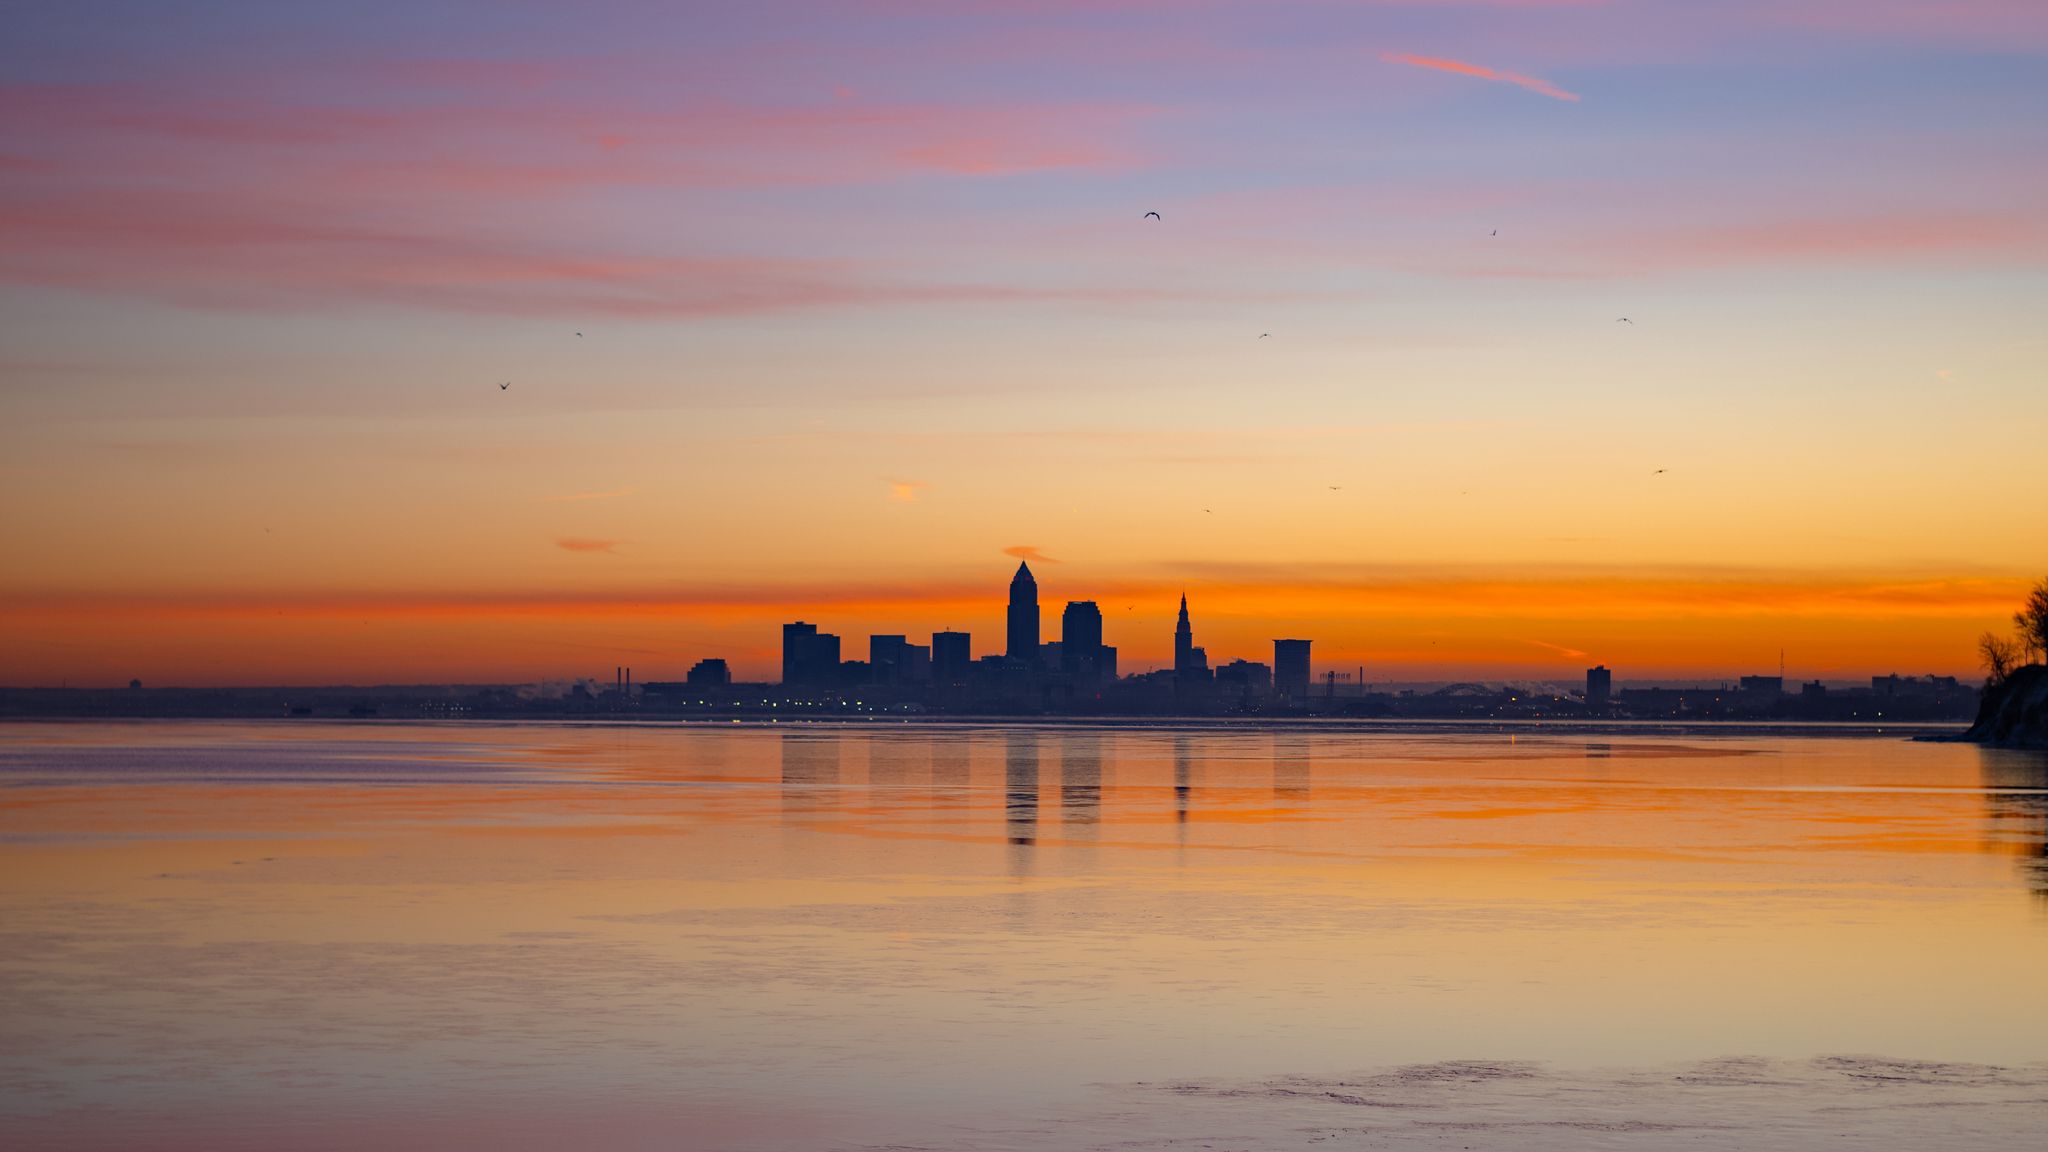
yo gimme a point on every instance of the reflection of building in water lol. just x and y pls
(1020, 787)
(1290, 765)
(1080, 778)
(2016, 806)
(1183, 776)
(1599, 751)
(810, 769)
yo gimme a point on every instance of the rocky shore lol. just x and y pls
(2014, 714)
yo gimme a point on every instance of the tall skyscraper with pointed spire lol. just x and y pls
(1189, 662)
(1183, 637)
(1023, 647)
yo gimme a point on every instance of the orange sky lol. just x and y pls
(338, 347)
(1401, 626)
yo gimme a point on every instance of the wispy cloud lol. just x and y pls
(586, 544)
(906, 491)
(577, 497)
(1460, 68)
(1028, 552)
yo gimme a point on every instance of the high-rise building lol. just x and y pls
(1291, 668)
(1184, 641)
(1190, 663)
(952, 657)
(808, 655)
(796, 640)
(1599, 686)
(1023, 630)
(1081, 641)
(886, 658)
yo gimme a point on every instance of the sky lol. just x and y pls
(494, 342)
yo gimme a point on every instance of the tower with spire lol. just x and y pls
(1189, 662)
(1023, 648)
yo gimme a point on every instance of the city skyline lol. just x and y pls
(1147, 629)
(441, 344)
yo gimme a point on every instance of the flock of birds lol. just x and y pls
(507, 385)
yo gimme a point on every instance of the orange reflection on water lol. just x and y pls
(770, 933)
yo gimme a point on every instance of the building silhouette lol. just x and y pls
(1082, 655)
(1291, 669)
(952, 658)
(1244, 678)
(1189, 662)
(887, 657)
(711, 673)
(1599, 686)
(808, 655)
(1023, 631)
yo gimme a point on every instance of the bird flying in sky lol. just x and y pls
(1626, 320)
(505, 385)
(1156, 216)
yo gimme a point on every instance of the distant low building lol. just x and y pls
(712, 673)
(1245, 678)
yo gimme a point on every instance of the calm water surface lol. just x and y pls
(220, 935)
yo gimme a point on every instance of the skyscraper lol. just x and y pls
(796, 650)
(1081, 640)
(1023, 617)
(952, 656)
(808, 655)
(1189, 662)
(1291, 668)
(1183, 638)
(887, 656)
(1599, 684)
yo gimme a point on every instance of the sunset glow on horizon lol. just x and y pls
(445, 343)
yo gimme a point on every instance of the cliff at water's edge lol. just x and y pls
(2015, 713)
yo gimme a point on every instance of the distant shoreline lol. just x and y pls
(1925, 731)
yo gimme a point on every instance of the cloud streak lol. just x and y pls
(1460, 68)
(586, 544)
(1028, 552)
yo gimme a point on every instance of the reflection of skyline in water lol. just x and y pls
(1183, 778)
(1080, 779)
(810, 770)
(2016, 801)
(703, 914)
(1291, 766)
(1020, 787)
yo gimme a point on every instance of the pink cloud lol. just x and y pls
(225, 252)
(1460, 68)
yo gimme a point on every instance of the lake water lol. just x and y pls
(224, 935)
